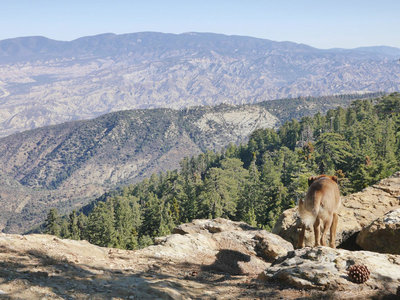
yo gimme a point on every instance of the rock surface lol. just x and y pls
(218, 259)
(358, 211)
(326, 269)
(222, 245)
(207, 259)
(382, 235)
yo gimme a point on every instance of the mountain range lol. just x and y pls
(45, 82)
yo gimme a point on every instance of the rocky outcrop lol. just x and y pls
(358, 211)
(207, 259)
(218, 259)
(382, 235)
(326, 268)
(45, 267)
(222, 245)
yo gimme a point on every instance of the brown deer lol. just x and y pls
(320, 207)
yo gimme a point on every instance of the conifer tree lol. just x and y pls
(127, 222)
(100, 226)
(52, 223)
(82, 223)
(64, 230)
(151, 216)
(273, 194)
(73, 228)
(250, 196)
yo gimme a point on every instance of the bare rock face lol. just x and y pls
(271, 246)
(222, 245)
(288, 227)
(326, 269)
(382, 235)
(358, 211)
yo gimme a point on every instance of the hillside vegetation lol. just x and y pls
(68, 165)
(253, 182)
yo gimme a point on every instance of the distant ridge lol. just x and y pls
(45, 82)
(385, 50)
(110, 44)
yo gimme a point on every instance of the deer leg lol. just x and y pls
(327, 226)
(333, 230)
(316, 231)
(300, 242)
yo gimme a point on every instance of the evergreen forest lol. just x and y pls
(253, 182)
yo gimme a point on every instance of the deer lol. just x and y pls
(320, 207)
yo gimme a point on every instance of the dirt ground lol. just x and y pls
(45, 267)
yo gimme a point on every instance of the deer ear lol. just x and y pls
(311, 180)
(334, 178)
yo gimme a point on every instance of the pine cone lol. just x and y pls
(358, 273)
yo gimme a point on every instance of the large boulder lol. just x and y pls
(382, 235)
(358, 211)
(221, 245)
(326, 269)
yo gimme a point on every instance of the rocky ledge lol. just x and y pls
(326, 269)
(205, 259)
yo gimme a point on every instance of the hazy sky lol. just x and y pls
(319, 23)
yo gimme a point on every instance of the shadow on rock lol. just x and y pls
(228, 261)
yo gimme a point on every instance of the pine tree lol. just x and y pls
(52, 223)
(145, 240)
(100, 226)
(128, 220)
(82, 223)
(73, 228)
(151, 216)
(166, 221)
(250, 195)
(334, 152)
(64, 231)
(274, 192)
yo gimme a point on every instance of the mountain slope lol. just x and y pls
(66, 165)
(45, 82)
(253, 182)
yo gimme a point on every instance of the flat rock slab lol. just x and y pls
(325, 268)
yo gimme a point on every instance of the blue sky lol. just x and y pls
(322, 24)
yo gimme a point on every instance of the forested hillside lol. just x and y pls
(68, 165)
(253, 182)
